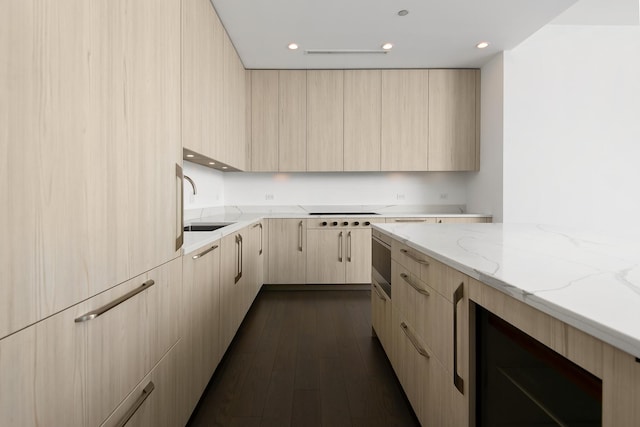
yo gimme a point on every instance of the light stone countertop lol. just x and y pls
(243, 216)
(586, 279)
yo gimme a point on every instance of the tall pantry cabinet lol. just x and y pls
(89, 197)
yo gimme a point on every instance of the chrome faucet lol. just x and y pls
(193, 184)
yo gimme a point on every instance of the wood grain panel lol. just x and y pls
(292, 131)
(325, 121)
(264, 121)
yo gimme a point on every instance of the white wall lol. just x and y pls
(572, 128)
(209, 183)
(407, 188)
(484, 193)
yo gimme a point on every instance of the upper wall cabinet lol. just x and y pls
(365, 120)
(292, 119)
(362, 119)
(90, 139)
(264, 121)
(325, 120)
(405, 124)
(233, 152)
(454, 105)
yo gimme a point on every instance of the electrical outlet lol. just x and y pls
(400, 196)
(268, 196)
(444, 196)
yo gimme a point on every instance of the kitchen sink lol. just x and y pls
(206, 226)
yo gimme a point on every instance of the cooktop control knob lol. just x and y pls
(334, 223)
(345, 223)
(367, 223)
(356, 223)
(324, 223)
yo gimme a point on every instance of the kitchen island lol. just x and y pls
(574, 291)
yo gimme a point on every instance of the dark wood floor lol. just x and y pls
(305, 358)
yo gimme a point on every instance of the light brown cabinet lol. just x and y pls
(292, 119)
(255, 260)
(234, 114)
(325, 120)
(287, 251)
(454, 117)
(381, 317)
(200, 344)
(362, 119)
(264, 121)
(405, 129)
(232, 282)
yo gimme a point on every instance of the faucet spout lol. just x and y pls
(193, 184)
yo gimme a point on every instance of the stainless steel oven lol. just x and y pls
(381, 260)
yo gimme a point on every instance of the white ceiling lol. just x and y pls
(601, 12)
(435, 34)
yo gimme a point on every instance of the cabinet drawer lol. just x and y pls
(126, 341)
(152, 402)
(442, 278)
(429, 220)
(409, 258)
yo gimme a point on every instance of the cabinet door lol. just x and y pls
(325, 120)
(202, 79)
(381, 317)
(287, 251)
(292, 131)
(43, 371)
(405, 124)
(126, 341)
(453, 116)
(362, 119)
(255, 253)
(232, 280)
(358, 256)
(326, 256)
(201, 334)
(53, 174)
(234, 114)
(461, 220)
(264, 121)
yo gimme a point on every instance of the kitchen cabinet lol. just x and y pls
(200, 344)
(462, 220)
(381, 317)
(255, 260)
(234, 114)
(202, 79)
(292, 119)
(413, 219)
(338, 254)
(325, 120)
(362, 119)
(404, 130)
(454, 120)
(264, 120)
(153, 402)
(232, 283)
(287, 251)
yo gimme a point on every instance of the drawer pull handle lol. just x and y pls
(377, 291)
(414, 341)
(457, 297)
(139, 401)
(102, 310)
(300, 236)
(203, 253)
(415, 286)
(413, 257)
(409, 220)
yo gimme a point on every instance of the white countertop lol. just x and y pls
(243, 216)
(588, 280)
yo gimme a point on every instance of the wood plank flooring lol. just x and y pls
(305, 358)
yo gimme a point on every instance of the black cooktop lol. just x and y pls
(343, 213)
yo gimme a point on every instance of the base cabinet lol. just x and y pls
(381, 317)
(287, 251)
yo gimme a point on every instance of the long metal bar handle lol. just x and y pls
(300, 236)
(203, 253)
(349, 246)
(340, 247)
(414, 285)
(259, 225)
(457, 297)
(102, 310)
(180, 238)
(238, 273)
(241, 254)
(414, 341)
(146, 392)
(413, 257)
(408, 220)
(377, 291)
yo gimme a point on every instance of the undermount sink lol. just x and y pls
(206, 226)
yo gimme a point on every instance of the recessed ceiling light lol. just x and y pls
(482, 45)
(387, 46)
(292, 46)
(190, 155)
(224, 167)
(212, 163)
(403, 12)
